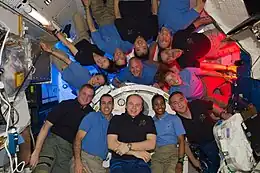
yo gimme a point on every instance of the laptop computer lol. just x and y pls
(252, 7)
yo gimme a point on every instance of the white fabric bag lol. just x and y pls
(235, 149)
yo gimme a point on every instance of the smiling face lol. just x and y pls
(168, 56)
(173, 79)
(85, 96)
(159, 106)
(179, 103)
(97, 80)
(164, 38)
(136, 67)
(140, 46)
(134, 105)
(106, 105)
(119, 57)
(101, 61)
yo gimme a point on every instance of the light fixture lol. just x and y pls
(33, 13)
(47, 2)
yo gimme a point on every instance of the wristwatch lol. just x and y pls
(129, 145)
(55, 32)
(181, 160)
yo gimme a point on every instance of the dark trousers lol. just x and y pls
(211, 152)
(129, 166)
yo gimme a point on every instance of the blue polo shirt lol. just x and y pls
(192, 86)
(169, 128)
(95, 141)
(76, 75)
(108, 39)
(147, 77)
(176, 14)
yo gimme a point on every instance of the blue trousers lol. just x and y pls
(212, 153)
(129, 166)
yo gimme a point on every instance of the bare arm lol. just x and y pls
(77, 145)
(112, 142)
(210, 73)
(56, 54)
(148, 144)
(42, 136)
(202, 21)
(154, 7)
(217, 110)
(116, 9)
(181, 151)
(117, 83)
(90, 21)
(61, 56)
(68, 44)
(189, 153)
(200, 6)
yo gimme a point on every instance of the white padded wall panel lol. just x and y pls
(120, 95)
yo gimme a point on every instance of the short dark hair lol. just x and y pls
(106, 95)
(112, 68)
(175, 93)
(142, 57)
(104, 76)
(87, 86)
(157, 96)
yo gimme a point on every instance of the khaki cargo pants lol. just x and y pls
(93, 164)
(55, 156)
(103, 13)
(164, 159)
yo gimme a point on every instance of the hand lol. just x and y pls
(229, 78)
(86, 3)
(50, 27)
(122, 149)
(143, 155)
(175, 69)
(79, 167)
(225, 115)
(34, 159)
(196, 164)
(156, 85)
(179, 168)
(205, 20)
(122, 85)
(45, 47)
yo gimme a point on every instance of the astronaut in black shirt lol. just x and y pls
(198, 123)
(130, 137)
(53, 152)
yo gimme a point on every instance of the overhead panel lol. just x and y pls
(65, 15)
(60, 11)
(80, 6)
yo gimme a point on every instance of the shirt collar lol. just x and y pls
(164, 116)
(103, 116)
(189, 106)
(80, 106)
(137, 117)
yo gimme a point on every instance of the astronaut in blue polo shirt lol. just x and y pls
(73, 73)
(170, 132)
(90, 145)
(137, 72)
(177, 15)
